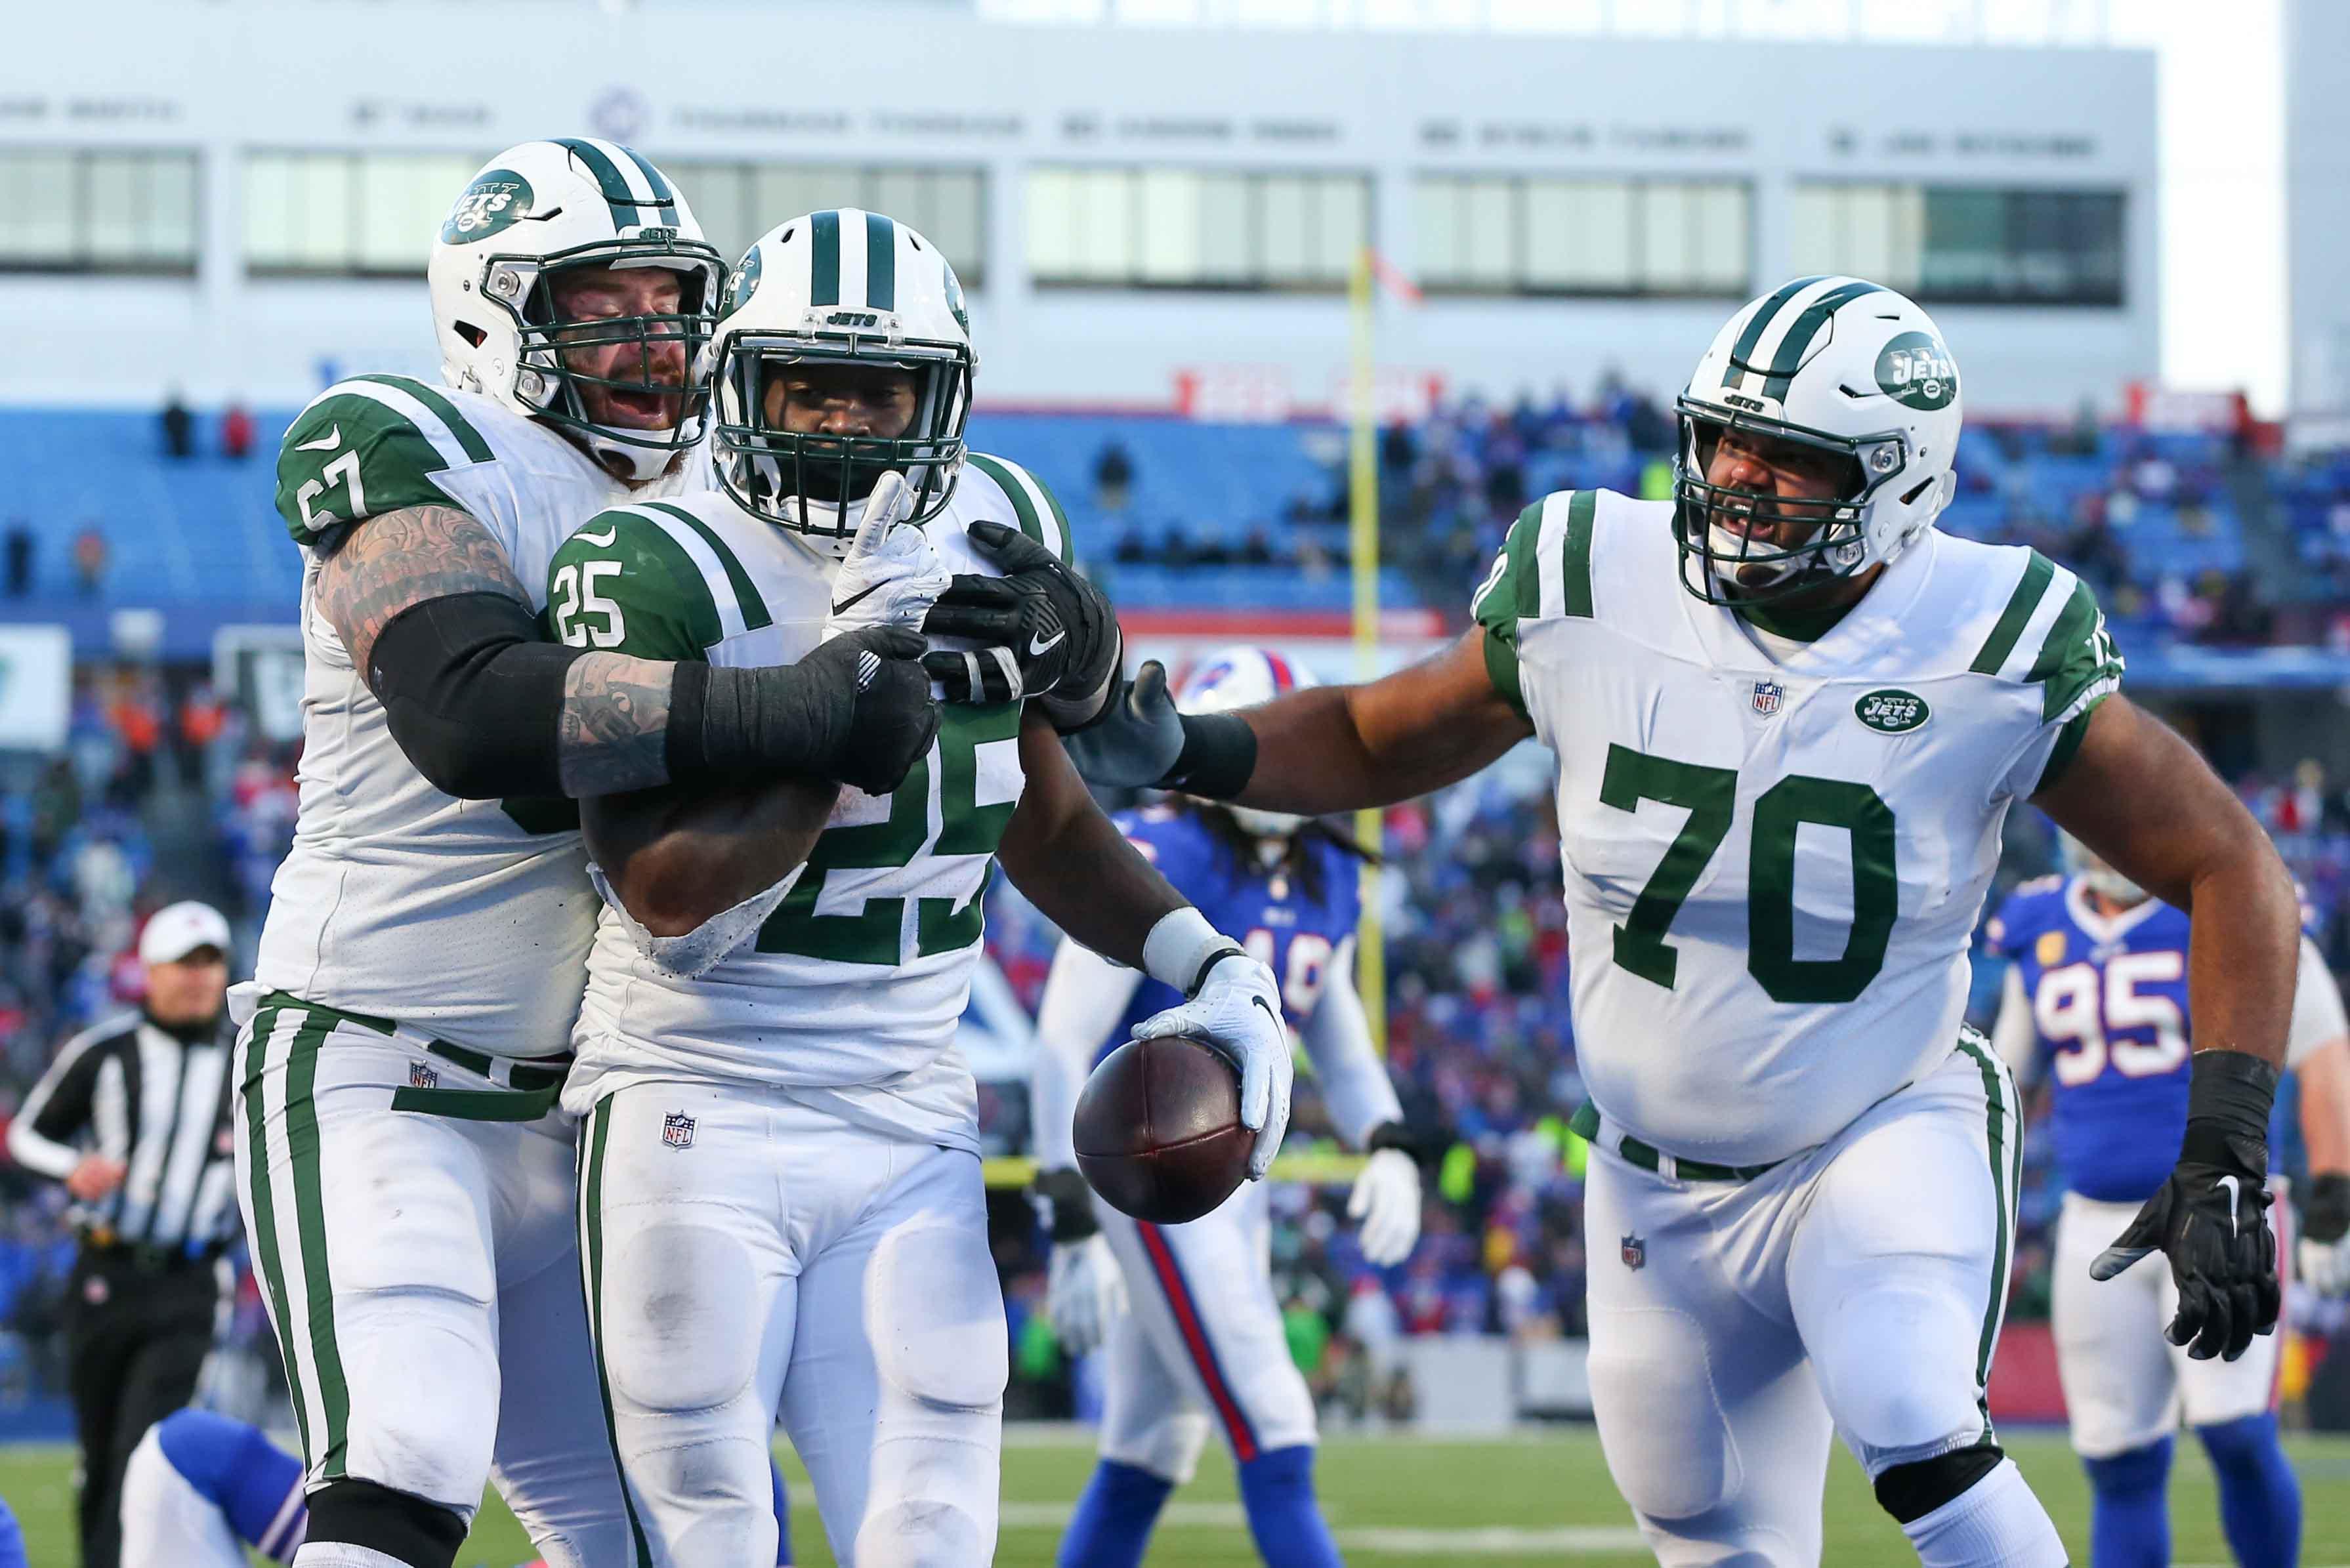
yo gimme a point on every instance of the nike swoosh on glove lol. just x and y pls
(891, 576)
(1236, 1008)
(1084, 1290)
(1385, 1207)
(1044, 631)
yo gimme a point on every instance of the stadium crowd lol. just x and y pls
(167, 790)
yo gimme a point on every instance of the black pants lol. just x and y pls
(136, 1336)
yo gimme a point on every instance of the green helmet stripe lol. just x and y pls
(824, 262)
(880, 263)
(663, 191)
(1790, 357)
(1759, 322)
(615, 186)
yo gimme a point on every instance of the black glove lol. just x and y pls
(857, 708)
(1067, 1204)
(2325, 1212)
(1048, 633)
(2210, 1217)
(1143, 743)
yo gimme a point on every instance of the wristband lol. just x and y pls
(1218, 757)
(2229, 1096)
(1181, 948)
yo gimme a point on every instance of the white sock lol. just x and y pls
(342, 1555)
(1994, 1523)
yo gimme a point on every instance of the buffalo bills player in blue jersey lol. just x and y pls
(200, 1488)
(2096, 1002)
(1186, 1314)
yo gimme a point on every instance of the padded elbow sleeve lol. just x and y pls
(473, 696)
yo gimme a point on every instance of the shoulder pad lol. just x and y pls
(369, 445)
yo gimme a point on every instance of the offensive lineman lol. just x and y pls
(1790, 718)
(2094, 1000)
(1186, 1314)
(407, 1190)
(780, 1204)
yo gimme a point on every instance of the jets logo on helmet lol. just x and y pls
(1853, 372)
(1245, 676)
(836, 288)
(534, 213)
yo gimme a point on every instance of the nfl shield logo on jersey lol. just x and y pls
(677, 1130)
(420, 1076)
(1634, 1251)
(1768, 695)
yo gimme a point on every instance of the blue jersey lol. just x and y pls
(1293, 934)
(2108, 999)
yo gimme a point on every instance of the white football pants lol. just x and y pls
(1856, 1288)
(744, 1254)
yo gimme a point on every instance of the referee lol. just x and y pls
(133, 1117)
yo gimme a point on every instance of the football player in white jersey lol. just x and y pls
(781, 1207)
(1790, 718)
(406, 1184)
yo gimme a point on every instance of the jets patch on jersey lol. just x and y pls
(849, 993)
(468, 920)
(1773, 863)
(2103, 998)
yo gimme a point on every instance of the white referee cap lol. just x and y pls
(175, 930)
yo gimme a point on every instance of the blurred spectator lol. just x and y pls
(236, 433)
(178, 427)
(1113, 476)
(19, 571)
(89, 561)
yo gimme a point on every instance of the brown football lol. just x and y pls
(1158, 1129)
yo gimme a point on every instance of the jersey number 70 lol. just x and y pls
(1710, 795)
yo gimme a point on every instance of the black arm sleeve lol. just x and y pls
(473, 695)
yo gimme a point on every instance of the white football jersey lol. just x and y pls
(848, 995)
(466, 920)
(1775, 865)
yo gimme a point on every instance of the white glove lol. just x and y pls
(891, 576)
(1237, 1010)
(1385, 1207)
(2326, 1266)
(1084, 1289)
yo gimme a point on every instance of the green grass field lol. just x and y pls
(1404, 1503)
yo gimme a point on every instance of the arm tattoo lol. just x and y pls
(615, 725)
(402, 558)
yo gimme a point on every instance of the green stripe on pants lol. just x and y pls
(310, 1225)
(591, 1258)
(266, 1263)
(2006, 1170)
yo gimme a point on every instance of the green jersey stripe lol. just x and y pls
(1574, 557)
(455, 452)
(1790, 356)
(468, 438)
(310, 1225)
(824, 258)
(1992, 656)
(1759, 322)
(880, 263)
(268, 1266)
(1014, 490)
(2076, 655)
(591, 1230)
(749, 611)
(608, 179)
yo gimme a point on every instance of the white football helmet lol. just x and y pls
(2096, 872)
(533, 211)
(1245, 676)
(840, 287)
(1836, 363)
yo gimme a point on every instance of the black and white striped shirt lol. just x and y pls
(133, 1092)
